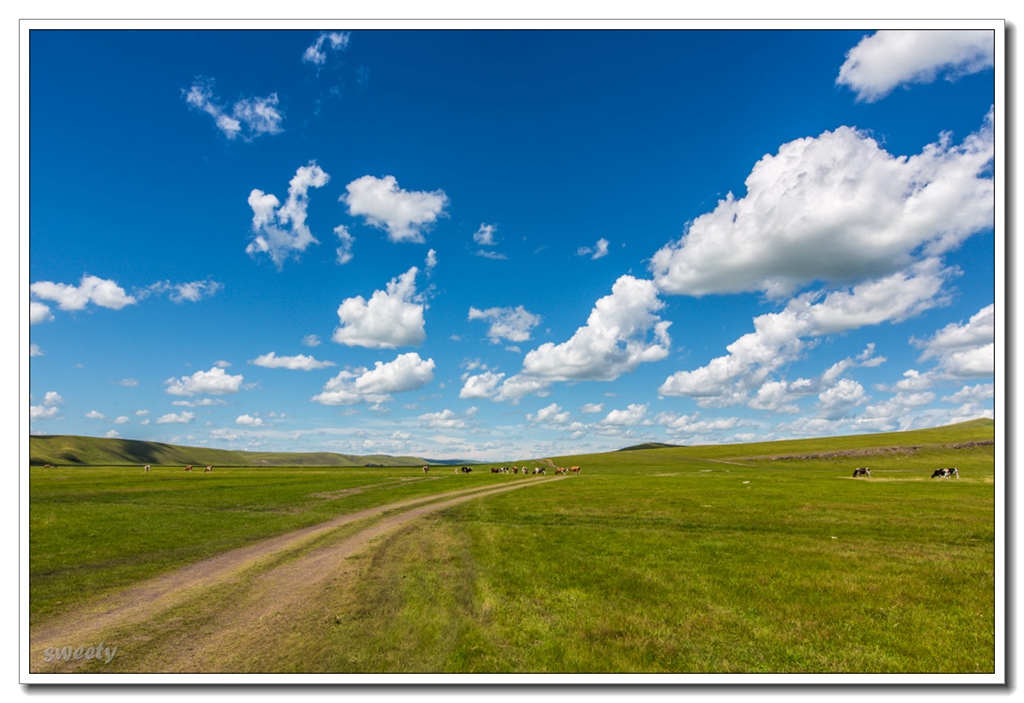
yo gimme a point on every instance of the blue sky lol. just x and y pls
(509, 244)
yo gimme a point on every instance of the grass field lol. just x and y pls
(745, 558)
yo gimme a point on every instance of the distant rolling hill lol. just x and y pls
(647, 445)
(98, 451)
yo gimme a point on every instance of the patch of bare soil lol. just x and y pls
(261, 609)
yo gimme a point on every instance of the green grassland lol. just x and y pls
(763, 557)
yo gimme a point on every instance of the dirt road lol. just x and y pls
(145, 621)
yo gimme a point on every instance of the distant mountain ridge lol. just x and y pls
(101, 451)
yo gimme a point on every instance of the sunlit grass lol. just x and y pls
(701, 559)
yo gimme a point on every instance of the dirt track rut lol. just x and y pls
(276, 590)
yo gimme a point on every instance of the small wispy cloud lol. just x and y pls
(249, 118)
(595, 252)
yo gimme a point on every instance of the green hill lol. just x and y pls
(960, 435)
(98, 451)
(647, 445)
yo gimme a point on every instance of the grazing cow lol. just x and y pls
(560, 470)
(148, 467)
(946, 473)
(426, 469)
(574, 469)
(208, 469)
(465, 469)
(188, 468)
(862, 471)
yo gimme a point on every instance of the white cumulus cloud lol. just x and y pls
(403, 214)
(484, 235)
(633, 415)
(835, 208)
(613, 342)
(249, 421)
(408, 372)
(38, 312)
(448, 420)
(482, 385)
(964, 350)
(889, 58)
(839, 400)
(48, 408)
(622, 332)
(183, 418)
(281, 230)
(301, 362)
(512, 324)
(91, 289)
(216, 381)
(779, 338)
(390, 318)
(550, 415)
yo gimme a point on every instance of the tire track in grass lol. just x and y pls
(279, 587)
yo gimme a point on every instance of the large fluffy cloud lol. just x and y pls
(91, 289)
(401, 213)
(48, 408)
(216, 381)
(37, 313)
(408, 372)
(390, 318)
(482, 385)
(248, 118)
(513, 324)
(281, 230)
(964, 350)
(622, 332)
(614, 341)
(780, 338)
(835, 208)
(888, 58)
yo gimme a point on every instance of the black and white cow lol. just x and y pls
(945, 473)
(862, 471)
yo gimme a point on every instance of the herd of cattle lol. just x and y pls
(938, 473)
(948, 472)
(525, 470)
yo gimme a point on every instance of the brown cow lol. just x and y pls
(208, 469)
(426, 469)
(574, 469)
(188, 468)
